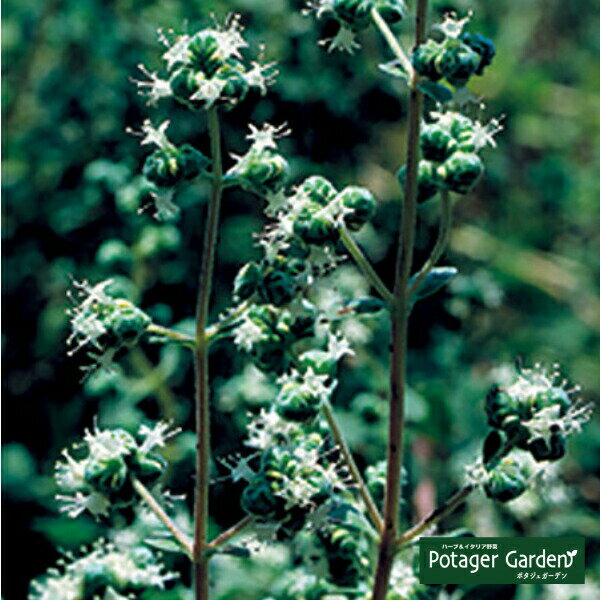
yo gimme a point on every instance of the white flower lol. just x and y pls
(260, 76)
(264, 138)
(248, 333)
(177, 52)
(166, 209)
(155, 89)
(156, 136)
(338, 346)
(344, 40)
(156, 436)
(95, 503)
(452, 27)
(208, 90)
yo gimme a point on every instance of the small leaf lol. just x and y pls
(435, 280)
(492, 444)
(237, 551)
(437, 91)
(395, 69)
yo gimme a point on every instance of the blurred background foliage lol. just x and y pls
(527, 244)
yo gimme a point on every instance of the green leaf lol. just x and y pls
(395, 69)
(437, 91)
(435, 280)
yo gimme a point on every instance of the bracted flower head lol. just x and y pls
(106, 572)
(98, 478)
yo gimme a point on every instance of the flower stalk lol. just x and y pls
(400, 314)
(202, 408)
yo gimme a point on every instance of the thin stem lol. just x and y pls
(393, 43)
(230, 533)
(227, 321)
(201, 364)
(437, 515)
(158, 510)
(400, 314)
(166, 398)
(347, 455)
(440, 244)
(365, 266)
(170, 334)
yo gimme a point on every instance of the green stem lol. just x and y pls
(170, 334)
(393, 43)
(227, 321)
(365, 266)
(201, 365)
(230, 533)
(437, 515)
(440, 244)
(399, 333)
(347, 455)
(158, 510)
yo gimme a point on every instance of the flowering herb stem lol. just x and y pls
(201, 364)
(227, 321)
(363, 491)
(399, 333)
(164, 332)
(440, 244)
(436, 515)
(392, 41)
(159, 511)
(365, 266)
(230, 533)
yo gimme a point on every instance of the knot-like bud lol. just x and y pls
(356, 14)
(315, 226)
(359, 205)
(392, 11)
(483, 46)
(457, 62)
(317, 189)
(437, 143)
(425, 59)
(461, 171)
(506, 481)
(166, 167)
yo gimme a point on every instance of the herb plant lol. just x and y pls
(301, 484)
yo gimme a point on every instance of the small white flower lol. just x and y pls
(208, 90)
(166, 209)
(452, 27)
(95, 503)
(248, 333)
(156, 436)
(264, 138)
(338, 346)
(344, 40)
(260, 76)
(176, 53)
(155, 89)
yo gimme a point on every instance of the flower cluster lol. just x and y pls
(99, 479)
(458, 57)
(450, 143)
(208, 68)
(104, 322)
(106, 572)
(536, 413)
(354, 16)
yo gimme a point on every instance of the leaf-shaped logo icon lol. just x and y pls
(571, 553)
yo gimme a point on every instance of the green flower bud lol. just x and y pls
(482, 46)
(267, 171)
(294, 403)
(356, 14)
(392, 11)
(183, 84)
(148, 467)
(457, 62)
(551, 448)
(425, 60)
(204, 52)
(427, 180)
(258, 499)
(461, 171)
(499, 404)
(318, 190)
(106, 474)
(191, 161)
(247, 281)
(296, 247)
(314, 227)
(236, 86)
(437, 144)
(278, 287)
(162, 168)
(506, 481)
(127, 322)
(361, 204)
